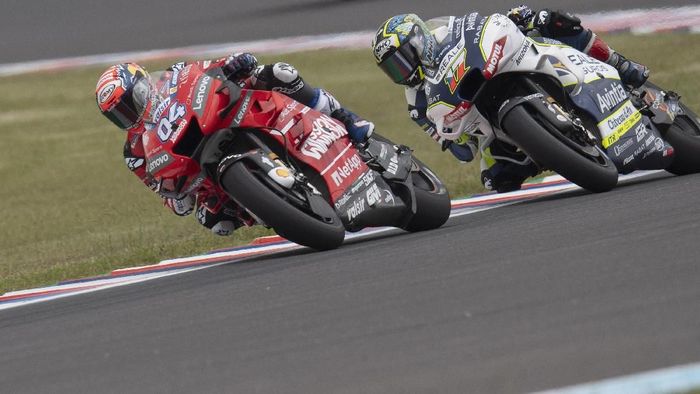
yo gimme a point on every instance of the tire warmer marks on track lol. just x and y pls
(640, 21)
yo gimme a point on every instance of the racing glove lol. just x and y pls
(555, 24)
(239, 66)
(464, 148)
(181, 207)
(520, 15)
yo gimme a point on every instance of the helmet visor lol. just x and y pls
(401, 65)
(140, 95)
(123, 115)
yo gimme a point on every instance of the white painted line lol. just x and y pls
(352, 40)
(677, 379)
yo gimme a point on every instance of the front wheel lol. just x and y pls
(585, 165)
(288, 213)
(433, 204)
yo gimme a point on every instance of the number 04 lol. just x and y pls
(165, 127)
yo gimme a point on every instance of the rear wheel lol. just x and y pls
(684, 136)
(583, 164)
(432, 200)
(289, 213)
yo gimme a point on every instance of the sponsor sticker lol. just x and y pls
(497, 50)
(374, 195)
(107, 91)
(620, 122)
(324, 133)
(611, 97)
(346, 169)
(158, 162)
(357, 207)
(641, 131)
(449, 58)
(456, 71)
(383, 47)
(201, 91)
(238, 118)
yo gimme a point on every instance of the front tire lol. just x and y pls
(433, 205)
(593, 171)
(273, 208)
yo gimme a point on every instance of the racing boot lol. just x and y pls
(631, 73)
(505, 176)
(358, 128)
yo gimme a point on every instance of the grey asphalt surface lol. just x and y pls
(558, 291)
(32, 29)
(549, 293)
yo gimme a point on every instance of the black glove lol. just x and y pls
(239, 66)
(555, 24)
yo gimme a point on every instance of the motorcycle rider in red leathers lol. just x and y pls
(405, 47)
(126, 95)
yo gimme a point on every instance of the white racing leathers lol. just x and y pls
(482, 57)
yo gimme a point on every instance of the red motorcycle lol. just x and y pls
(290, 167)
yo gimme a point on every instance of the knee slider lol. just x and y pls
(223, 228)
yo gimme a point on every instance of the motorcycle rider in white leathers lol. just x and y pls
(405, 48)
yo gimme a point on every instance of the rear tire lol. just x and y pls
(433, 205)
(288, 220)
(596, 173)
(684, 136)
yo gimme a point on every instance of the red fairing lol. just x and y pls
(310, 136)
(313, 138)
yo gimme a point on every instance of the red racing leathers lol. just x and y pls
(221, 222)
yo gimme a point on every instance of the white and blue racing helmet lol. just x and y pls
(402, 46)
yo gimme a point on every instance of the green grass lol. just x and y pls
(70, 208)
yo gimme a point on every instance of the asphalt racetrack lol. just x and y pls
(562, 290)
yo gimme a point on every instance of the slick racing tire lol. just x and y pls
(684, 136)
(433, 205)
(280, 211)
(586, 166)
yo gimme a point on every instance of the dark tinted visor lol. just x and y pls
(123, 114)
(401, 65)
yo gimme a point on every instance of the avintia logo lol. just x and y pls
(612, 97)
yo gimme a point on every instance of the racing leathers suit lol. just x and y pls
(242, 69)
(496, 173)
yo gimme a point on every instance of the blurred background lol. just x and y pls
(32, 29)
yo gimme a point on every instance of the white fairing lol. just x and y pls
(506, 49)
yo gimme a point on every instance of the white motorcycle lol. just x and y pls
(565, 110)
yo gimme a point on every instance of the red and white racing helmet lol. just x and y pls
(123, 93)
